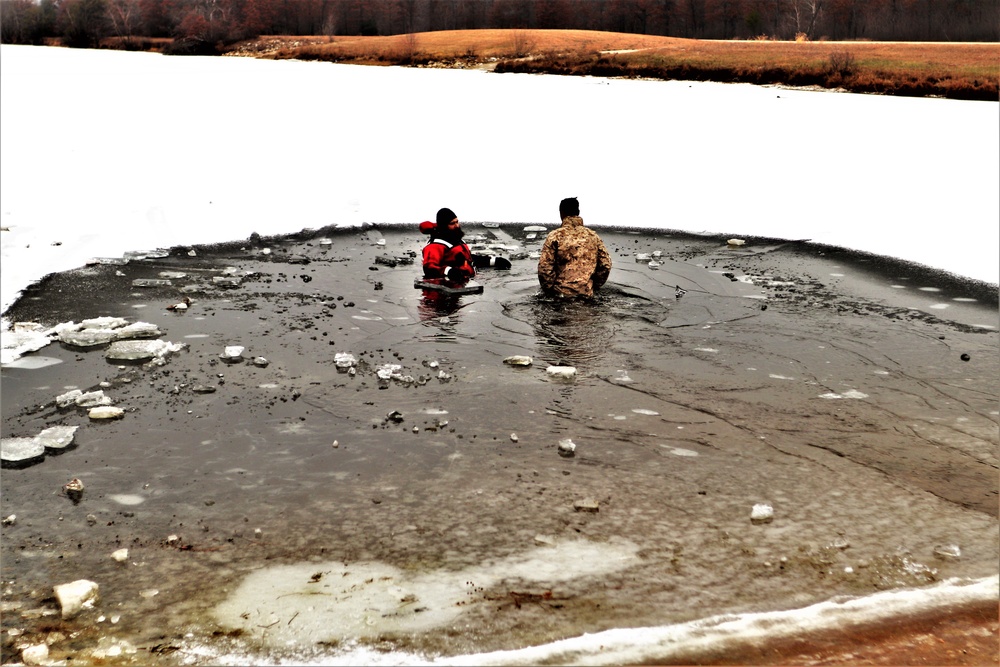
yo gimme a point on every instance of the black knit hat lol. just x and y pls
(445, 216)
(569, 206)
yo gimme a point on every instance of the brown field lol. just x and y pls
(956, 70)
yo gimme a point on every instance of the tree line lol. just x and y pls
(87, 23)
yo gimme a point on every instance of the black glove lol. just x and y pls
(484, 261)
(458, 274)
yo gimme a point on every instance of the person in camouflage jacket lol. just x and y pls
(574, 261)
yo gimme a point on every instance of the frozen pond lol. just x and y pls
(417, 501)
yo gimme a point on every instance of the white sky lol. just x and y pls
(106, 152)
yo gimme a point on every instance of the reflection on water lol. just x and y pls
(580, 332)
(439, 310)
(434, 305)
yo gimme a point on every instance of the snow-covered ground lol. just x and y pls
(103, 152)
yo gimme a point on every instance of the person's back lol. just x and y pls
(574, 261)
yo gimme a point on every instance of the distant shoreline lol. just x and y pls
(953, 70)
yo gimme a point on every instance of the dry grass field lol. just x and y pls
(955, 70)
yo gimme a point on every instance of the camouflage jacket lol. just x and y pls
(574, 261)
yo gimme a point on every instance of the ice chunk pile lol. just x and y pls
(20, 338)
(21, 452)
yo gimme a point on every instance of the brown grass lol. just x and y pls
(964, 70)
(459, 44)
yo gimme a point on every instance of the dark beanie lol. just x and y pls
(445, 216)
(569, 206)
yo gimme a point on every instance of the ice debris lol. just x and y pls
(948, 552)
(87, 337)
(57, 438)
(850, 393)
(389, 372)
(567, 447)
(587, 505)
(20, 452)
(232, 353)
(90, 399)
(76, 596)
(762, 513)
(106, 412)
(518, 360)
(103, 330)
(562, 372)
(138, 330)
(36, 654)
(103, 323)
(21, 338)
(140, 350)
(344, 361)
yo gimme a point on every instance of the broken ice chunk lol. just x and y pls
(57, 438)
(88, 337)
(762, 513)
(20, 452)
(567, 447)
(69, 398)
(106, 412)
(92, 399)
(563, 372)
(104, 323)
(389, 371)
(344, 360)
(139, 350)
(232, 353)
(138, 330)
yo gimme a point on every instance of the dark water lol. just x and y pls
(827, 385)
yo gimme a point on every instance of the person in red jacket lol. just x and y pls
(447, 256)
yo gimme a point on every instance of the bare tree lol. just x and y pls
(409, 47)
(521, 43)
(125, 16)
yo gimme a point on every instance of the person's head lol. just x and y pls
(447, 224)
(568, 207)
(446, 219)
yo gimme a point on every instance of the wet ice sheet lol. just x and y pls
(334, 601)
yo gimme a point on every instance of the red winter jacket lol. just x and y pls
(445, 259)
